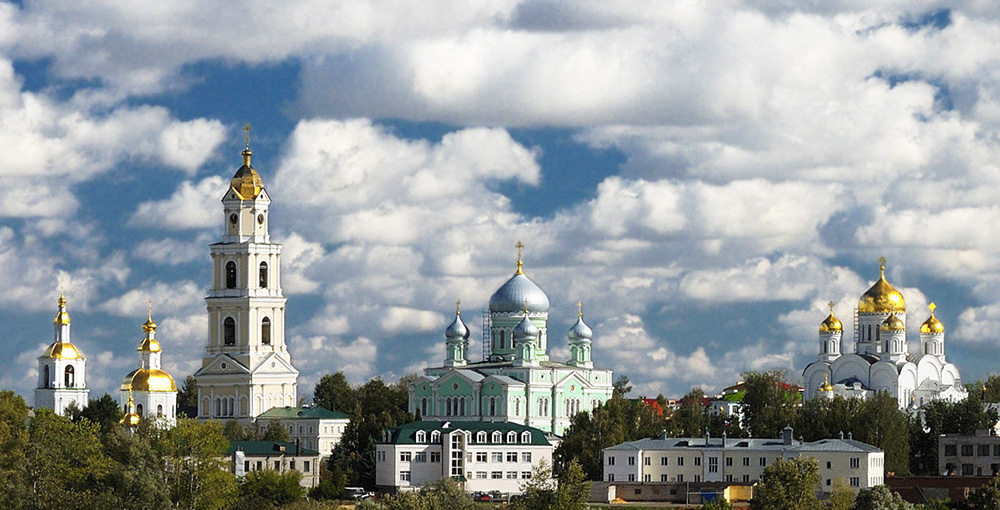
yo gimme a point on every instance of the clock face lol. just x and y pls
(233, 218)
(260, 219)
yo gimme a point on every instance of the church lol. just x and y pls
(881, 360)
(516, 381)
(247, 368)
(62, 369)
(149, 391)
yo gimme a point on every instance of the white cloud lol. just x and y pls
(191, 206)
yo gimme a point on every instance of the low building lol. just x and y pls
(281, 456)
(484, 456)
(977, 455)
(312, 427)
(740, 460)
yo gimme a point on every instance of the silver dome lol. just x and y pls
(457, 329)
(525, 329)
(580, 330)
(519, 291)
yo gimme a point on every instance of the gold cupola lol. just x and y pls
(832, 323)
(932, 326)
(826, 387)
(246, 183)
(881, 297)
(149, 343)
(893, 323)
(61, 347)
(149, 377)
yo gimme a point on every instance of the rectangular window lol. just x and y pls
(646, 478)
(381, 456)
(697, 461)
(951, 450)
(729, 461)
(246, 466)
(763, 461)
(855, 463)
(525, 475)
(420, 457)
(631, 477)
(512, 475)
(277, 465)
(291, 464)
(680, 461)
(697, 478)
(996, 450)
(713, 464)
(855, 481)
(611, 460)
(967, 469)
(631, 461)
(829, 464)
(611, 477)
(729, 478)
(663, 478)
(480, 456)
(984, 450)
(526, 457)
(746, 478)
(405, 456)
(497, 456)
(496, 475)
(481, 475)
(404, 476)
(647, 461)
(307, 466)
(511, 456)
(967, 449)
(746, 461)
(435, 456)
(680, 478)
(663, 461)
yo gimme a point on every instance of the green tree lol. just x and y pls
(542, 492)
(690, 419)
(822, 418)
(788, 485)
(880, 498)
(103, 411)
(233, 430)
(841, 496)
(275, 431)
(880, 423)
(986, 497)
(137, 472)
(198, 477)
(768, 405)
(333, 392)
(273, 487)
(14, 489)
(187, 396)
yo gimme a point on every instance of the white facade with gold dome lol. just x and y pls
(881, 360)
(62, 369)
(149, 392)
(247, 368)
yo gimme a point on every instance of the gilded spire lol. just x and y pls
(62, 317)
(519, 246)
(881, 265)
(149, 325)
(246, 148)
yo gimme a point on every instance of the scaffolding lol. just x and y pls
(486, 333)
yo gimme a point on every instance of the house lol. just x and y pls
(280, 456)
(976, 455)
(312, 427)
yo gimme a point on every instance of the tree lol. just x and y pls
(768, 405)
(14, 491)
(198, 477)
(188, 394)
(880, 498)
(103, 411)
(275, 431)
(788, 485)
(273, 487)
(841, 496)
(333, 392)
(232, 430)
(880, 423)
(137, 471)
(542, 492)
(691, 418)
(986, 497)
(822, 418)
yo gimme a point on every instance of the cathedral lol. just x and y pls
(62, 369)
(516, 382)
(247, 368)
(149, 391)
(881, 360)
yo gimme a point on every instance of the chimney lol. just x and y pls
(786, 435)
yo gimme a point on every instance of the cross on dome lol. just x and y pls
(519, 246)
(881, 265)
(932, 306)
(579, 308)
(246, 134)
(458, 307)
(830, 304)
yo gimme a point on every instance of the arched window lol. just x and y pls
(517, 407)
(497, 437)
(69, 377)
(159, 410)
(481, 437)
(138, 409)
(461, 411)
(230, 275)
(229, 331)
(48, 377)
(265, 331)
(512, 437)
(503, 339)
(493, 406)
(423, 407)
(420, 436)
(263, 275)
(526, 437)
(435, 436)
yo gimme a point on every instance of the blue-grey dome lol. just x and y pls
(525, 330)
(519, 291)
(580, 330)
(457, 329)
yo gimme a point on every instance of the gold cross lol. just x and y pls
(519, 245)
(579, 308)
(932, 306)
(246, 134)
(831, 303)
(458, 307)
(150, 303)
(881, 263)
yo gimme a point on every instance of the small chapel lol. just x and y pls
(62, 369)
(516, 381)
(881, 359)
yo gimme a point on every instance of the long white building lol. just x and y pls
(706, 459)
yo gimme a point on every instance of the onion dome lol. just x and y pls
(457, 329)
(246, 183)
(144, 379)
(832, 323)
(149, 344)
(131, 419)
(881, 297)
(60, 349)
(525, 329)
(932, 325)
(62, 317)
(580, 330)
(826, 386)
(519, 293)
(893, 323)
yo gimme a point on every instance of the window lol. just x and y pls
(512, 475)
(611, 461)
(646, 478)
(631, 477)
(967, 469)
(746, 478)
(291, 464)
(855, 481)
(497, 456)
(763, 461)
(984, 450)
(512, 437)
(230, 275)
(405, 456)
(525, 475)
(265, 331)
(697, 461)
(138, 409)
(48, 380)
(967, 449)
(481, 437)
(729, 462)
(697, 478)
(229, 331)
(69, 378)
(263, 275)
(951, 449)
(631, 461)
(526, 457)
(828, 481)
(435, 436)
(855, 463)
(680, 461)
(420, 457)
(511, 456)
(611, 477)
(663, 478)
(480, 456)
(996, 450)
(680, 478)
(277, 465)
(496, 437)
(421, 437)
(713, 464)
(306, 465)
(159, 411)
(423, 406)
(746, 461)
(829, 464)
(481, 475)
(647, 461)
(435, 456)
(404, 476)
(496, 475)
(381, 455)
(526, 437)
(663, 461)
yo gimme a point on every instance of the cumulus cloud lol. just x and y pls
(191, 206)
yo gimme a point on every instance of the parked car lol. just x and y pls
(481, 496)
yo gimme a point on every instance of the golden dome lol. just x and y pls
(932, 325)
(881, 297)
(144, 379)
(131, 420)
(62, 318)
(893, 323)
(149, 345)
(832, 323)
(826, 386)
(62, 350)
(246, 183)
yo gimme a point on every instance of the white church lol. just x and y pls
(881, 359)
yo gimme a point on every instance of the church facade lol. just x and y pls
(149, 392)
(62, 369)
(247, 368)
(881, 359)
(516, 382)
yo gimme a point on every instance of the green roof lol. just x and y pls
(406, 434)
(268, 448)
(284, 413)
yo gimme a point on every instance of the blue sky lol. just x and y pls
(703, 176)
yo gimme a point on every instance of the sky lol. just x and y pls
(704, 176)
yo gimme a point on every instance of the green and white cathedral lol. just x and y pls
(516, 382)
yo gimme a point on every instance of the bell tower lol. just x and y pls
(247, 368)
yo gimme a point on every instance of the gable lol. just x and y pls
(273, 364)
(222, 365)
